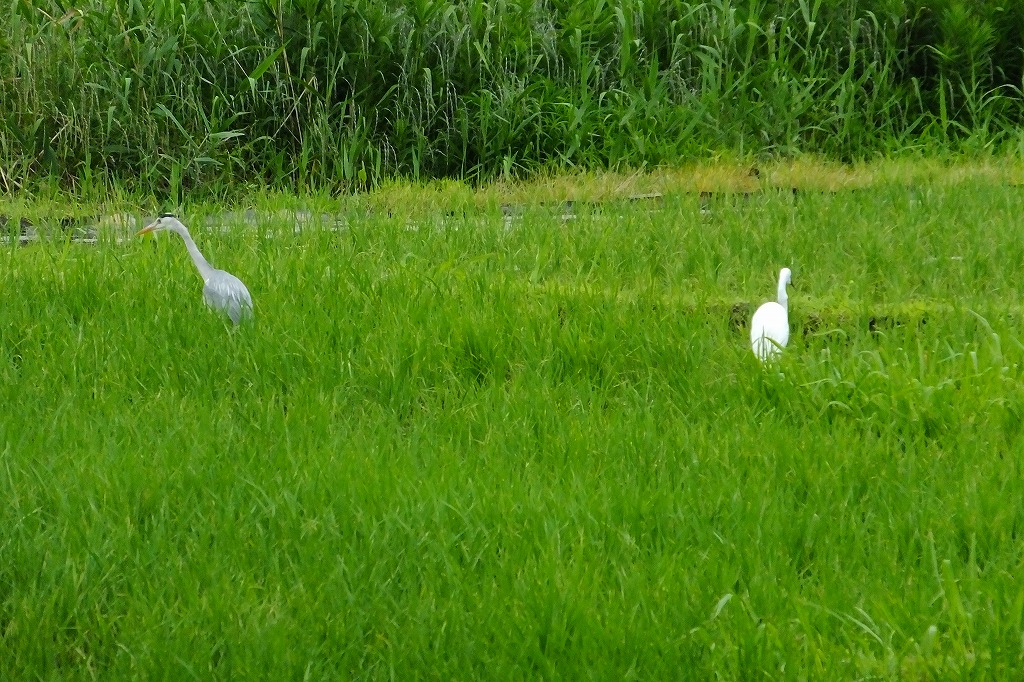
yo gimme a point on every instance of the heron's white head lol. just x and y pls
(166, 221)
(785, 276)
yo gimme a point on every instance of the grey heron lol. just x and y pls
(769, 328)
(222, 291)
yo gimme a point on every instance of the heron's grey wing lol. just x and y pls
(225, 292)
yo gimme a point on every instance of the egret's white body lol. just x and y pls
(222, 291)
(769, 328)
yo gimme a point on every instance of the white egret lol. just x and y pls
(222, 291)
(769, 328)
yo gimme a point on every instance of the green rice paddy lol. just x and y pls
(454, 444)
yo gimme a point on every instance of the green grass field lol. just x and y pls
(451, 446)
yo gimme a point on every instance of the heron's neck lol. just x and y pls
(783, 296)
(204, 267)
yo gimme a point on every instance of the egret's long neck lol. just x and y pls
(783, 296)
(205, 269)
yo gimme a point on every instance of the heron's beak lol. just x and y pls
(146, 230)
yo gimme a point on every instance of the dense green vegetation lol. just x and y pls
(460, 446)
(208, 95)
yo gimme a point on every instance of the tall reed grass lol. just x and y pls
(341, 93)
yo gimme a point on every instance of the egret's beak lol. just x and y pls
(146, 230)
